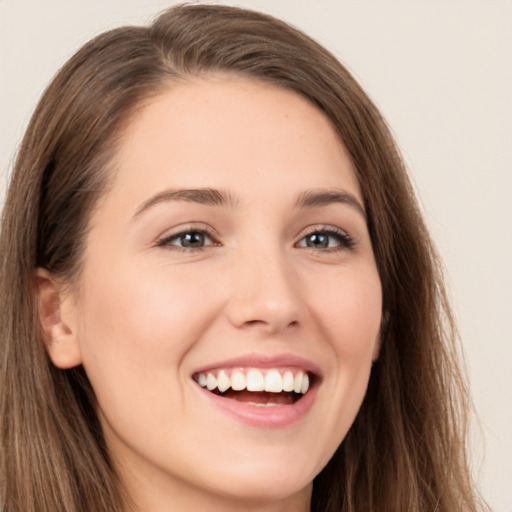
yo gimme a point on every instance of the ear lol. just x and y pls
(56, 316)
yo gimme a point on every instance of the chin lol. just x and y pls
(265, 482)
(267, 490)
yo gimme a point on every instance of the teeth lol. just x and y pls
(273, 382)
(238, 381)
(305, 384)
(255, 380)
(223, 381)
(211, 382)
(288, 381)
(297, 383)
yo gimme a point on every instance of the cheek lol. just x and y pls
(349, 309)
(136, 327)
(131, 308)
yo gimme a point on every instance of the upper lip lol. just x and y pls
(263, 361)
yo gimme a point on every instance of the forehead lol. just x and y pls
(230, 132)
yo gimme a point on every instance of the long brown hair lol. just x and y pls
(406, 449)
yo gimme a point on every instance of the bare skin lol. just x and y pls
(234, 229)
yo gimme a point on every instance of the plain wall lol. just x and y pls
(441, 72)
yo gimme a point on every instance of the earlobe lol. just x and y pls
(56, 317)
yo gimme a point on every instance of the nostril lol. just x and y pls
(270, 326)
(254, 322)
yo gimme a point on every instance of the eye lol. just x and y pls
(330, 239)
(187, 239)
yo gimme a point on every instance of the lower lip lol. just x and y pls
(277, 416)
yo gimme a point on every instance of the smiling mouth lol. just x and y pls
(264, 388)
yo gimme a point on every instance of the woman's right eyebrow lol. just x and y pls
(215, 197)
(206, 196)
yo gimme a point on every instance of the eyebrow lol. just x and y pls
(206, 196)
(214, 197)
(318, 198)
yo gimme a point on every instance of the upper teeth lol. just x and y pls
(253, 379)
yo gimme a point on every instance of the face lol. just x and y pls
(229, 305)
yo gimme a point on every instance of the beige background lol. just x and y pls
(441, 72)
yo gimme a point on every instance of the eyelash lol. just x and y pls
(344, 240)
(342, 237)
(204, 231)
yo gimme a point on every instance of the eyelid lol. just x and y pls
(322, 228)
(347, 241)
(164, 239)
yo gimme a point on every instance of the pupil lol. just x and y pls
(193, 239)
(318, 240)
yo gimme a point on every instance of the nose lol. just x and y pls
(265, 294)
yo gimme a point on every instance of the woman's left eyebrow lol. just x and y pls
(320, 197)
(213, 197)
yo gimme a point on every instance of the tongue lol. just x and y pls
(260, 397)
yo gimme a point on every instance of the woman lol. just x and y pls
(219, 291)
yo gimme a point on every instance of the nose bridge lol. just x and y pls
(264, 290)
